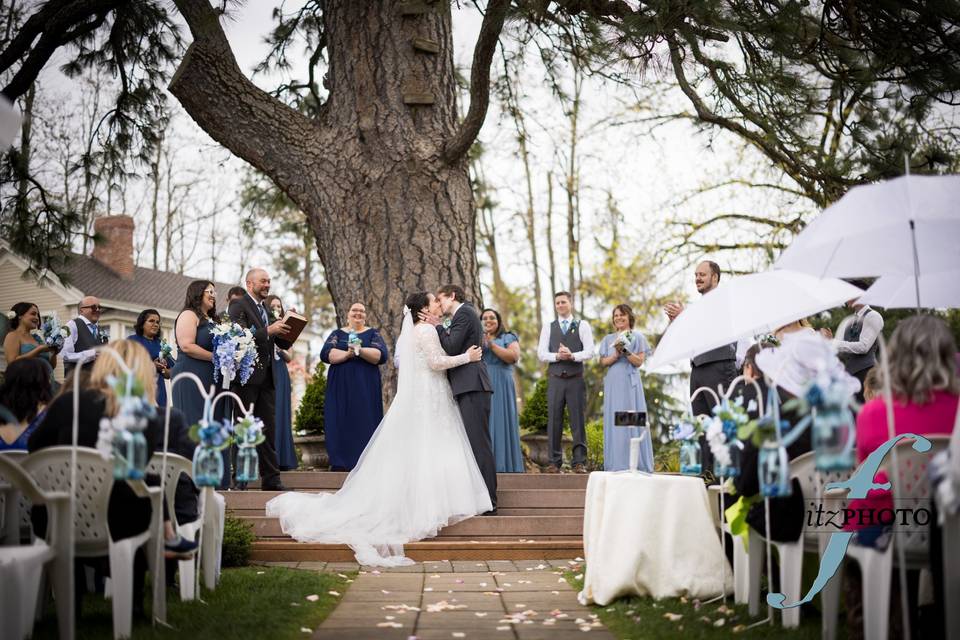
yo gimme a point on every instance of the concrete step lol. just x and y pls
(320, 480)
(519, 502)
(284, 550)
(486, 526)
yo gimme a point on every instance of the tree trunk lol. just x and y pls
(550, 256)
(392, 213)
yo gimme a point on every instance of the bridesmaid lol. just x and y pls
(286, 454)
(623, 391)
(147, 333)
(195, 349)
(353, 407)
(501, 349)
(20, 343)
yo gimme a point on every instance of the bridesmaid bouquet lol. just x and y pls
(234, 352)
(625, 339)
(165, 349)
(51, 332)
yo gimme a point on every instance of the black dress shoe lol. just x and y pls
(492, 512)
(275, 487)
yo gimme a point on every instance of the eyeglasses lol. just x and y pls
(93, 307)
(211, 292)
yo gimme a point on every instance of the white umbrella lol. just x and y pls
(909, 226)
(939, 290)
(745, 306)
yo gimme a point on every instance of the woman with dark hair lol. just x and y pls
(193, 331)
(25, 393)
(283, 441)
(20, 343)
(147, 334)
(622, 353)
(417, 474)
(353, 406)
(501, 350)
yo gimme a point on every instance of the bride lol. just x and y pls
(416, 475)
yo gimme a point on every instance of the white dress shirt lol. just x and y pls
(69, 352)
(871, 328)
(586, 337)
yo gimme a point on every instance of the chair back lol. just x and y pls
(14, 505)
(176, 466)
(50, 468)
(911, 487)
(812, 482)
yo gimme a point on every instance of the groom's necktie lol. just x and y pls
(563, 326)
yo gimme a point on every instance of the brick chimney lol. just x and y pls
(115, 250)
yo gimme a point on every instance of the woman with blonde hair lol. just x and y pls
(127, 514)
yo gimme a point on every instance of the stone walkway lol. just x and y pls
(521, 599)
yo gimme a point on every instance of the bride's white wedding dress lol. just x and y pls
(416, 475)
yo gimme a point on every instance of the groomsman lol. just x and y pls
(717, 366)
(249, 311)
(856, 340)
(85, 336)
(565, 344)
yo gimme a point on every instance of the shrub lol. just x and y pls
(238, 537)
(666, 455)
(533, 417)
(309, 418)
(595, 445)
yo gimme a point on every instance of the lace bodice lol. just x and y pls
(430, 352)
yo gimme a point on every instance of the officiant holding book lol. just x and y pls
(353, 407)
(250, 311)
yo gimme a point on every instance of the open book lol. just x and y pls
(296, 322)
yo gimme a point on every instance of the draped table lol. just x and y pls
(649, 535)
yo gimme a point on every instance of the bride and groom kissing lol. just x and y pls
(430, 462)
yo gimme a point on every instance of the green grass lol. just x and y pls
(251, 602)
(642, 618)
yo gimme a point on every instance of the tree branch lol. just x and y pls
(234, 112)
(490, 30)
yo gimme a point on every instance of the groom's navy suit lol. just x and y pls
(472, 389)
(259, 388)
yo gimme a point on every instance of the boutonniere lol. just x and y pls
(447, 321)
(574, 325)
(275, 314)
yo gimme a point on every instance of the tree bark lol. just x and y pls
(391, 210)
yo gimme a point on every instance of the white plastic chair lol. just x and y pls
(213, 509)
(790, 554)
(21, 567)
(14, 507)
(51, 470)
(177, 465)
(741, 563)
(876, 566)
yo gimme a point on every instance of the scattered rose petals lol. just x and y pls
(739, 628)
(480, 614)
(458, 634)
(306, 629)
(389, 625)
(579, 576)
(332, 593)
(719, 623)
(506, 628)
(428, 589)
(342, 575)
(673, 617)
(384, 592)
(314, 597)
(260, 573)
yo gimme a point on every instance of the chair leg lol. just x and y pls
(755, 563)
(213, 540)
(741, 572)
(951, 575)
(121, 587)
(830, 605)
(63, 596)
(877, 569)
(791, 565)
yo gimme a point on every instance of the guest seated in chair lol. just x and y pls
(25, 393)
(127, 514)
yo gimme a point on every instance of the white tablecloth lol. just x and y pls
(649, 535)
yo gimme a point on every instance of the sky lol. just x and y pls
(645, 172)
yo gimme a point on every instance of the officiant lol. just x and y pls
(250, 311)
(353, 407)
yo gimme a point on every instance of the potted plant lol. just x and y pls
(533, 425)
(308, 423)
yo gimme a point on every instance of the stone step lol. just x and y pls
(320, 480)
(285, 550)
(486, 526)
(529, 501)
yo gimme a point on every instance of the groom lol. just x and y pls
(470, 383)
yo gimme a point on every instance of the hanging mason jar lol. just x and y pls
(247, 463)
(834, 436)
(731, 470)
(774, 470)
(137, 452)
(690, 458)
(122, 448)
(207, 466)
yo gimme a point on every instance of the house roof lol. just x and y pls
(148, 288)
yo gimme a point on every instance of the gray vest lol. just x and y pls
(726, 352)
(565, 368)
(856, 362)
(85, 340)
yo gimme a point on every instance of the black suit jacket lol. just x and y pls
(244, 312)
(465, 331)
